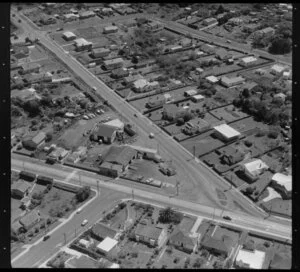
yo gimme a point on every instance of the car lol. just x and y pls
(79, 210)
(94, 88)
(59, 29)
(85, 117)
(84, 222)
(151, 135)
(226, 217)
(228, 41)
(46, 237)
(135, 115)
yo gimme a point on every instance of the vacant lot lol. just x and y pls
(247, 124)
(37, 53)
(228, 113)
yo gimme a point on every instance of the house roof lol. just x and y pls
(212, 79)
(230, 80)
(105, 130)
(140, 83)
(249, 59)
(283, 180)
(107, 244)
(222, 53)
(39, 137)
(113, 61)
(110, 28)
(69, 34)
(30, 65)
(254, 167)
(150, 232)
(115, 123)
(223, 245)
(143, 149)
(20, 186)
(179, 237)
(29, 218)
(278, 68)
(16, 226)
(120, 155)
(191, 92)
(82, 42)
(227, 131)
(254, 259)
(100, 50)
(103, 231)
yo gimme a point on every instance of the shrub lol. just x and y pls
(248, 143)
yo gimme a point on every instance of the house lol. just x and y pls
(83, 262)
(100, 52)
(250, 28)
(73, 10)
(212, 79)
(86, 14)
(266, 32)
(26, 94)
(235, 21)
(16, 227)
(70, 17)
(260, 71)
(287, 74)
(149, 234)
(69, 36)
(30, 219)
(250, 259)
(116, 123)
(181, 241)
(199, 70)
(113, 63)
(154, 26)
(231, 155)
(185, 42)
(197, 98)
(20, 188)
(190, 92)
(143, 85)
(82, 44)
(58, 154)
(106, 133)
(210, 21)
(231, 81)
(35, 141)
(282, 184)
(208, 48)
(254, 168)
(248, 61)
(31, 67)
(106, 245)
(47, 20)
(226, 133)
(218, 246)
(277, 69)
(131, 78)
(85, 243)
(110, 29)
(107, 11)
(222, 54)
(120, 73)
(100, 232)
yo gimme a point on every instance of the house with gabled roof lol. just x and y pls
(181, 241)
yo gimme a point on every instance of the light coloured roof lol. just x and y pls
(249, 59)
(254, 259)
(227, 131)
(254, 167)
(284, 180)
(212, 78)
(69, 34)
(82, 42)
(143, 149)
(198, 96)
(229, 80)
(107, 244)
(110, 27)
(278, 68)
(111, 61)
(140, 83)
(191, 92)
(84, 242)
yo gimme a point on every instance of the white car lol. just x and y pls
(79, 210)
(85, 117)
(151, 135)
(84, 222)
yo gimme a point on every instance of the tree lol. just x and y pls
(180, 121)
(83, 193)
(246, 93)
(280, 46)
(248, 143)
(49, 136)
(220, 10)
(198, 263)
(32, 107)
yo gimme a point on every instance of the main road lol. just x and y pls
(195, 171)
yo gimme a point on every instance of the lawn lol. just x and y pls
(280, 206)
(247, 124)
(187, 223)
(37, 53)
(205, 227)
(55, 198)
(118, 221)
(228, 114)
(167, 259)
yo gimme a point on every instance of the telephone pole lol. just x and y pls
(97, 186)
(194, 151)
(65, 238)
(177, 187)
(75, 232)
(132, 193)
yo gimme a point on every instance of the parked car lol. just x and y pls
(84, 222)
(85, 117)
(227, 218)
(79, 210)
(151, 135)
(46, 237)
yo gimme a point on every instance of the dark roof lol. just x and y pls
(223, 245)
(103, 231)
(222, 53)
(30, 218)
(233, 155)
(150, 232)
(120, 155)
(21, 186)
(179, 237)
(281, 262)
(105, 130)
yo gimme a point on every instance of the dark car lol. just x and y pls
(46, 237)
(227, 218)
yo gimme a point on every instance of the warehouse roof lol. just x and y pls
(107, 244)
(284, 180)
(227, 131)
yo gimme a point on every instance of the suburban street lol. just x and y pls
(41, 252)
(282, 229)
(203, 178)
